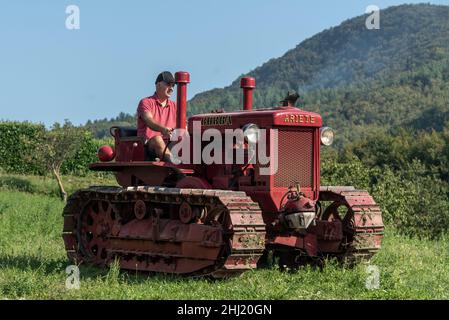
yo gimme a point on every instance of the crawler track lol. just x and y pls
(361, 218)
(143, 228)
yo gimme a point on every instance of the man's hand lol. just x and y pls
(167, 132)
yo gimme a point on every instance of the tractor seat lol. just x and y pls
(127, 132)
(130, 132)
(123, 132)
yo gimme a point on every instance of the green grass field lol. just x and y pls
(33, 262)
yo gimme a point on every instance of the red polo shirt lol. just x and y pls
(165, 116)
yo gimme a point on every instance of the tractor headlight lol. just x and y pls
(251, 132)
(327, 136)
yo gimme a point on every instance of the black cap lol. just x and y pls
(165, 76)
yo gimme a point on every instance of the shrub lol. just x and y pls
(13, 146)
(18, 141)
(412, 200)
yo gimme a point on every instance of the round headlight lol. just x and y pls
(327, 136)
(251, 132)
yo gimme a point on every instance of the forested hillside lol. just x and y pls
(360, 80)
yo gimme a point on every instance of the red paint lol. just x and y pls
(193, 183)
(307, 243)
(106, 153)
(182, 79)
(247, 84)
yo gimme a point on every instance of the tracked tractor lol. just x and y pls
(199, 217)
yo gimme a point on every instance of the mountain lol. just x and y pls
(360, 80)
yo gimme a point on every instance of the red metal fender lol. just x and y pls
(193, 183)
(307, 243)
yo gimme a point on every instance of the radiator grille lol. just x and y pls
(295, 158)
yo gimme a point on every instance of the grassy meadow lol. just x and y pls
(33, 262)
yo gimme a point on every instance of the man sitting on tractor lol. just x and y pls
(156, 116)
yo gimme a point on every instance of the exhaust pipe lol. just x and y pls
(247, 84)
(182, 78)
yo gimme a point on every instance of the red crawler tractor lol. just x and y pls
(219, 219)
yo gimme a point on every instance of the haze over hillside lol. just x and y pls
(359, 77)
(360, 80)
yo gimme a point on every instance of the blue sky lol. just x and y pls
(49, 73)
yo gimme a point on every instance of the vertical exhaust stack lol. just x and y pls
(182, 78)
(247, 84)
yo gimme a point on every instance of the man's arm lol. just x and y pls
(153, 125)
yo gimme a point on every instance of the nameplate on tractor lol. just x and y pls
(216, 121)
(299, 118)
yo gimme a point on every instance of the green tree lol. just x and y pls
(57, 145)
